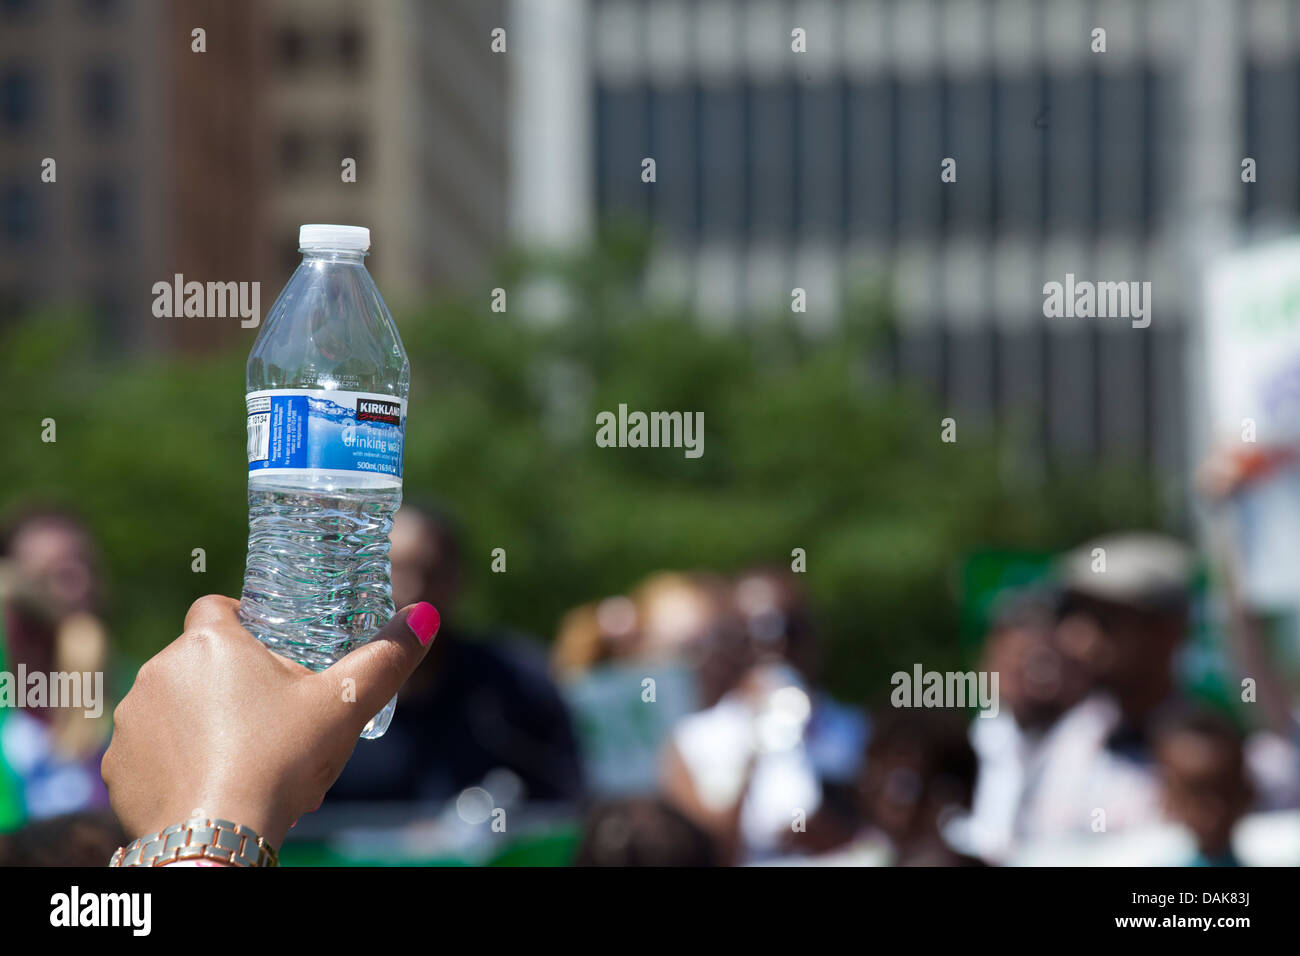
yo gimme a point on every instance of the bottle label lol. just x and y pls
(300, 429)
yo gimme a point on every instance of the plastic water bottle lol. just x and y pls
(327, 385)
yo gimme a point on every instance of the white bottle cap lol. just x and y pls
(322, 236)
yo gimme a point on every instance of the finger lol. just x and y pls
(213, 610)
(377, 669)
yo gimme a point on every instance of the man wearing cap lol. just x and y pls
(1124, 614)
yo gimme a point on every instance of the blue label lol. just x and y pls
(330, 431)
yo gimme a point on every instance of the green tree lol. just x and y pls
(806, 446)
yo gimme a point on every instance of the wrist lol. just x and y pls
(198, 841)
(254, 814)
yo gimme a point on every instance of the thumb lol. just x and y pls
(378, 668)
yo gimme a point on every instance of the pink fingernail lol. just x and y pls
(424, 621)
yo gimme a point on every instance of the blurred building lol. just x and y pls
(414, 94)
(821, 170)
(212, 192)
(81, 83)
(205, 163)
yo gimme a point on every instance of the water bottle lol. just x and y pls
(327, 386)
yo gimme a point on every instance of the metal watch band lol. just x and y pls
(198, 838)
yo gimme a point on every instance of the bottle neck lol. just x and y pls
(353, 256)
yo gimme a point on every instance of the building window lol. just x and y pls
(290, 48)
(101, 8)
(293, 152)
(351, 146)
(17, 214)
(17, 99)
(102, 98)
(349, 47)
(104, 210)
(16, 8)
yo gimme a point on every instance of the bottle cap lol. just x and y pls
(323, 236)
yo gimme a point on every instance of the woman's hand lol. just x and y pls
(216, 725)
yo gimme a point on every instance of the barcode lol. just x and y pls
(259, 436)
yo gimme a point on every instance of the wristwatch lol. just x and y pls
(198, 839)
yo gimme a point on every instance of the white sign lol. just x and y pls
(622, 733)
(1252, 380)
(1252, 340)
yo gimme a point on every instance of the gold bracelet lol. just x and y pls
(198, 839)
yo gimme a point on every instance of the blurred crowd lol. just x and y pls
(1095, 752)
(687, 721)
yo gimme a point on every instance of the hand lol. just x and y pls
(1229, 469)
(216, 725)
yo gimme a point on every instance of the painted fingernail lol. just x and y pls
(424, 621)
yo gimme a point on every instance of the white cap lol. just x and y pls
(322, 236)
(1141, 569)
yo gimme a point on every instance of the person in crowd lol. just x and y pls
(670, 616)
(85, 838)
(780, 623)
(51, 622)
(595, 633)
(1037, 683)
(918, 779)
(1119, 625)
(766, 768)
(1123, 617)
(1204, 783)
(642, 831)
(1231, 480)
(479, 703)
(675, 630)
(691, 618)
